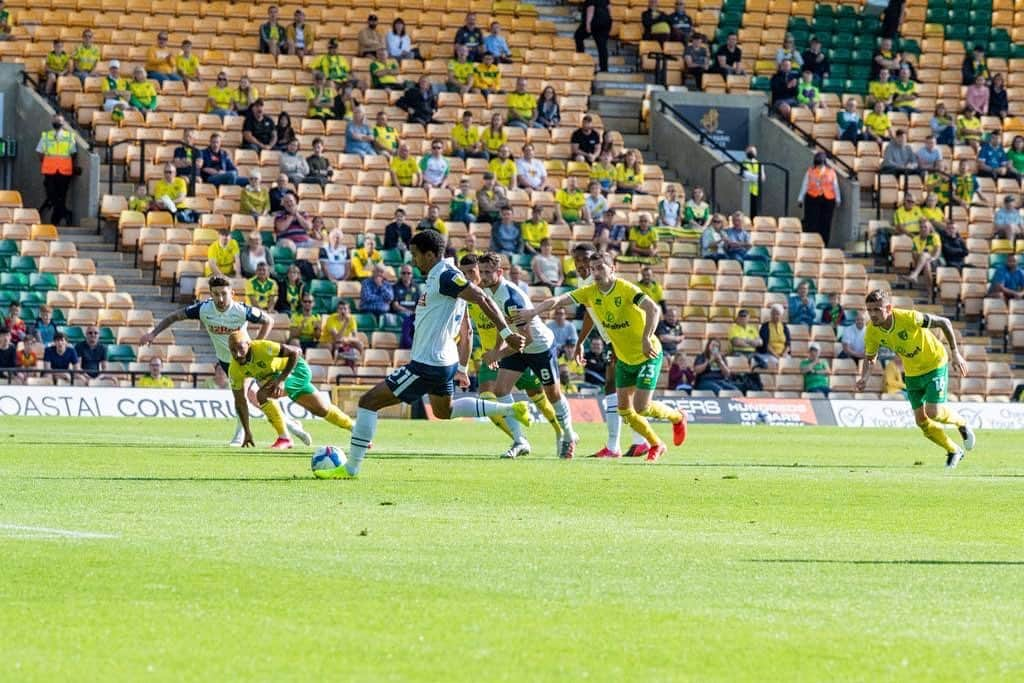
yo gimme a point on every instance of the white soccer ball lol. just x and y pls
(327, 458)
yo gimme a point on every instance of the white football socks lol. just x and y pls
(362, 434)
(514, 425)
(564, 416)
(475, 407)
(612, 420)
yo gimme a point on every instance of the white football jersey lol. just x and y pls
(439, 314)
(219, 324)
(510, 299)
(594, 318)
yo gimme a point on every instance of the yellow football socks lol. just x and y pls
(498, 420)
(934, 432)
(639, 425)
(660, 411)
(338, 418)
(274, 417)
(947, 416)
(547, 410)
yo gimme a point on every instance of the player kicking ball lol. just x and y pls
(629, 318)
(437, 363)
(538, 356)
(486, 375)
(907, 333)
(220, 315)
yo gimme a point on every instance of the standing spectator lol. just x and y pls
(569, 202)
(160, 64)
(783, 86)
(655, 22)
(712, 240)
(670, 330)
(60, 356)
(466, 138)
(974, 66)
(1007, 221)
(399, 43)
(56, 151)
(926, 248)
(292, 227)
(273, 36)
(434, 167)
(155, 379)
(491, 198)
(737, 239)
(954, 248)
(419, 102)
(929, 156)
(595, 21)
(217, 167)
(92, 354)
(775, 339)
(670, 210)
(801, 306)
(546, 267)
(364, 258)
(697, 214)
(334, 256)
(586, 141)
(506, 237)
(884, 59)
(563, 329)
(293, 165)
(44, 327)
(222, 256)
(697, 59)
(819, 195)
(712, 370)
(816, 60)
(998, 97)
(358, 137)
(340, 334)
(254, 254)
(259, 132)
(549, 115)
(899, 159)
(376, 294)
(942, 125)
(495, 44)
(815, 371)
(471, 37)
(789, 51)
(753, 173)
(305, 324)
(729, 57)
(852, 337)
(530, 171)
(1008, 280)
(261, 290)
(369, 39)
(397, 233)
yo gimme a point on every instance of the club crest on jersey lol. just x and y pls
(618, 301)
(902, 334)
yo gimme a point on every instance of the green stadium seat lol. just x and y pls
(9, 296)
(395, 257)
(780, 284)
(14, 281)
(75, 334)
(23, 264)
(30, 311)
(522, 260)
(391, 322)
(781, 269)
(758, 268)
(996, 260)
(811, 284)
(42, 282)
(847, 11)
(282, 255)
(758, 253)
(120, 353)
(9, 248)
(365, 322)
(33, 298)
(107, 336)
(823, 11)
(562, 289)
(323, 288)
(360, 238)
(821, 301)
(762, 83)
(267, 237)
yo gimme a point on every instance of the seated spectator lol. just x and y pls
(434, 167)
(643, 238)
(300, 36)
(737, 239)
(789, 51)
(954, 248)
(503, 168)
(160, 64)
(398, 42)
(491, 198)
(115, 91)
(469, 248)
(255, 199)
(515, 276)
(8, 354)
(358, 137)
(1008, 280)
(292, 291)
(563, 329)
(569, 202)
(610, 233)
(397, 233)
(261, 290)
(530, 171)
(320, 171)
(549, 115)
(697, 214)
(292, 226)
(496, 45)
(432, 221)
(278, 191)
(320, 98)
(170, 194)
(462, 207)
(333, 66)
(340, 334)
(293, 164)
(273, 36)
(546, 267)
(92, 354)
(384, 72)
(965, 186)
(220, 97)
(711, 369)
(604, 171)
(259, 132)
(969, 130)
(906, 220)
(904, 92)
(586, 141)
(369, 39)
(487, 76)
(506, 237)
(669, 208)
(460, 72)
(385, 136)
(470, 37)
(522, 107)
(222, 256)
(345, 103)
(775, 339)
(466, 142)
(407, 292)
(651, 287)
(1007, 221)
(998, 97)
(155, 379)
(933, 212)
(815, 59)
(783, 87)
(729, 57)
(929, 156)
(807, 93)
(285, 133)
(973, 66)
(885, 59)
(656, 23)
(629, 173)
(187, 64)
(15, 324)
(254, 254)
(364, 258)
(534, 230)
(334, 256)
(595, 362)
(993, 162)
(58, 63)
(852, 337)
(850, 123)
(305, 324)
(802, 310)
(419, 102)
(670, 330)
(376, 294)
(143, 92)
(877, 125)
(816, 371)
(141, 200)
(712, 240)
(943, 126)
(926, 248)
(892, 378)
(595, 204)
(899, 158)
(697, 59)
(404, 168)
(937, 183)
(85, 57)
(44, 328)
(60, 356)
(245, 97)
(977, 95)
(832, 314)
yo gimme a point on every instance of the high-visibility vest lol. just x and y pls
(821, 181)
(57, 148)
(754, 169)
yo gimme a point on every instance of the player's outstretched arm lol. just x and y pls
(524, 315)
(177, 316)
(947, 330)
(242, 409)
(475, 295)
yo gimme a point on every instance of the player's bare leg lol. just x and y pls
(321, 407)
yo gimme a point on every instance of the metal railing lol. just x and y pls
(836, 162)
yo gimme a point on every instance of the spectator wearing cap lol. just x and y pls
(816, 60)
(899, 158)
(333, 66)
(744, 337)
(259, 132)
(115, 89)
(470, 36)
(815, 371)
(369, 39)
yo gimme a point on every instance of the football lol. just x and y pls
(327, 458)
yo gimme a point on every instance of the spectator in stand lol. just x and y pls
(285, 132)
(816, 60)
(807, 93)
(697, 214)
(712, 240)
(680, 374)
(155, 379)
(965, 186)
(885, 59)
(892, 379)
(492, 138)
(8, 355)
(851, 125)
(832, 314)
(522, 107)
(60, 356)
(998, 97)
(816, 371)
(495, 44)
(1008, 222)
(320, 171)
(549, 115)
(160, 64)
(737, 239)
(657, 25)
(364, 258)
(358, 136)
(595, 205)
(14, 323)
(546, 267)
(85, 57)
(278, 191)
(398, 42)
(670, 209)
(273, 36)
(712, 370)
(216, 166)
(882, 90)
(789, 51)
(432, 221)
(933, 212)
(369, 39)
(775, 339)
(977, 95)
(1016, 155)
(595, 361)
(670, 330)
(487, 76)
(340, 334)
(936, 182)
(462, 207)
(261, 290)
(899, 159)
(434, 167)
(220, 97)
(460, 72)
(681, 23)
(1008, 280)
(385, 136)
(468, 247)
(294, 165)
(905, 92)
(58, 63)
(245, 96)
(783, 87)
(491, 198)
(259, 132)
(596, 21)
(629, 174)
(942, 125)
(292, 226)
(141, 200)
(819, 195)
(651, 287)
(294, 287)
(506, 237)
(926, 249)
(300, 36)
(530, 171)
(319, 99)
(569, 202)
(171, 192)
(515, 276)
(586, 141)
(334, 256)
(420, 102)
(115, 90)
(333, 66)
(397, 233)
(906, 220)
(305, 324)
(729, 57)
(466, 138)
(407, 293)
(643, 238)
(974, 65)
(802, 310)
(471, 37)
(254, 254)
(223, 257)
(44, 327)
(187, 64)
(345, 103)
(611, 233)
(929, 156)
(92, 354)
(376, 294)
(563, 329)
(604, 171)
(852, 337)
(404, 168)
(143, 92)
(697, 59)
(969, 129)
(993, 161)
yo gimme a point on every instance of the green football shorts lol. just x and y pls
(299, 381)
(928, 388)
(527, 381)
(643, 376)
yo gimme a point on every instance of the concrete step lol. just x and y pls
(616, 106)
(636, 141)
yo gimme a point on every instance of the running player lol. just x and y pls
(926, 364)
(437, 362)
(537, 356)
(487, 333)
(629, 318)
(220, 315)
(278, 369)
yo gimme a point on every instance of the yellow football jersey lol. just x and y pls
(620, 316)
(486, 330)
(920, 350)
(265, 361)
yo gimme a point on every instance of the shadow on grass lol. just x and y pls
(984, 563)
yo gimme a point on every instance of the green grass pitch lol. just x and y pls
(138, 550)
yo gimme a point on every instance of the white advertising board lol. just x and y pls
(899, 414)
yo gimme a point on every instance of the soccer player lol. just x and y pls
(437, 362)
(487, 375)
(220, 315)
(539, 355)
(926, 364)
(278, 369)
(629, 318)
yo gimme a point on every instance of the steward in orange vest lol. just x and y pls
(57, 150)
(819, 195)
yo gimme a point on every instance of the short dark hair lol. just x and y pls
(219, 281)
(59, 336)
(428, 241)
(877, 296)
(584, 248)
(469, 260)
(606, 256)
(491, 259)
